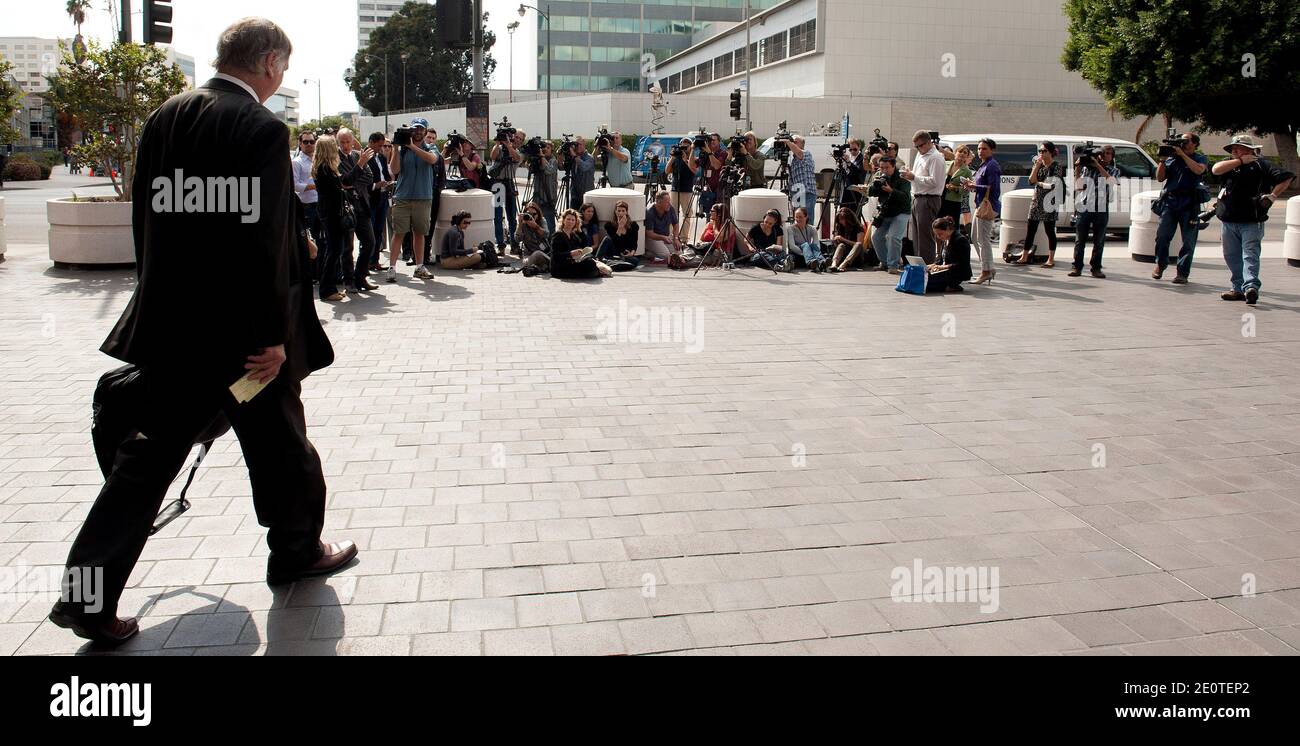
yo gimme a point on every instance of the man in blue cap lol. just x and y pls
(413, 201)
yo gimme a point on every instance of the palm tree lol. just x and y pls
(77, 10)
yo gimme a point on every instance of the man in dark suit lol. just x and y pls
(190, 339)
(357, 178)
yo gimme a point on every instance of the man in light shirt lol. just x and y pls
(928, 176)
(305, 186)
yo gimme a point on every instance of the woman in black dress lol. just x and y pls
(566, 247)
(952, 267)
(325, 172)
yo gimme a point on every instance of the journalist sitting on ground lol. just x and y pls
(850, 238)
(454, 254)
(766, 243)
(952, 266)
(569, 260)
(803, 243)
(622, 237)
(661, 229)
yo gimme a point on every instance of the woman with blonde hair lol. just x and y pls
(569, 260)
(325, 172)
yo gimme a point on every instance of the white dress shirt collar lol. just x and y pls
(238, 82)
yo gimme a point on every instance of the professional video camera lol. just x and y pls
(505, 130)
(1173, 141)
(701, 141)
(737, 147)
(878, 144)
(603, 138)
(456, 139)
(533, 148)
(934, 137)
(402, 137)
(840, 152)
(678, 151)
(1088, 150)
(781, 142)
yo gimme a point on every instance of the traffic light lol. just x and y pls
(735, 104)
(157, 22)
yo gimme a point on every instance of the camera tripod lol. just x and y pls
(782, 178)
(656, 181)
(726, 262)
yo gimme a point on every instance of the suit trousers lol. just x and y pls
(171, 414)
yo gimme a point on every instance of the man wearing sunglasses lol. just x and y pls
(1181, 173)
(305, 186)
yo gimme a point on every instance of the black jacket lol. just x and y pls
(357, 180)
(213, 289)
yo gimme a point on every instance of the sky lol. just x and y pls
(324, 34)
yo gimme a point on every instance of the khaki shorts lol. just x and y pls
(412, 216)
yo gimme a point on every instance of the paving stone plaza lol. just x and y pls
(529, 469)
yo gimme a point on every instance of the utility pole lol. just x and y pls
(749, 65)
(478, 46)
(125, 36)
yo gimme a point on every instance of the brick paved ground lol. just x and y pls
(1118, 451)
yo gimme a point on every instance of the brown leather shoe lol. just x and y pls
(103, 630)
(334, 557)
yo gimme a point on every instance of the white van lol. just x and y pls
(1016, 154)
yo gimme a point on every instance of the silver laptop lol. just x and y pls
(915, 261)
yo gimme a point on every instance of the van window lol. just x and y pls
(1015, 160)
(1133, 163)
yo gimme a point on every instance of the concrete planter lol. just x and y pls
(90, 235)
(1290, 243)
(1014, 219)
(1142, 233)
(479, 204)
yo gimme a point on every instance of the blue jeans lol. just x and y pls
(510, 210)
(887, 241)
(1094, 222)
(1186, 222)
(1241, 247)
(812, 251)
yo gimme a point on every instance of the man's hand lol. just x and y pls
(907, 174)
(312, 251)
(1248, 159)
(310, 188)
(265, 366)
(367, 156)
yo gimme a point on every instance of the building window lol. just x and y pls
(803, 38)
(774, 48)
(722, 66)
(704, 73)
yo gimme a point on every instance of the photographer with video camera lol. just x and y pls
(712, 158)
(1182, 171)
(413, 199)
(894, 195)
(616, 159)
(1095, 179)
(546, 184)
(582, 173)
(1251, 185)
(803, 175)
(681, 174)
(505, 159)
(464, 169)
(852, 172)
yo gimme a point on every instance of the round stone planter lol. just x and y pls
(90, 235)
(750, 206)
(1290, 243)
(478, 203)
(1014, 221)
(1142, 232)
(604, 201)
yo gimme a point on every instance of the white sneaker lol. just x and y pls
(392, 275)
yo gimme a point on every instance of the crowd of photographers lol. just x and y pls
(879, 211)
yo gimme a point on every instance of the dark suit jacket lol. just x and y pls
(358, 180)
(212, 288)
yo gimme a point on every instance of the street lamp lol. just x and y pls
(511, 28)
(405, 57)
(386, 104)
(320, 110)
(544, 14)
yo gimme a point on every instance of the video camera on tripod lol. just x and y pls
(603, 138)
(878, 144)
(505, 130)
(455, 140)
(781, 142)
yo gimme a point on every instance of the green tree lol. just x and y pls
(1228, 65)
(333, 123)
(110, 95)
(11, 100)
(435, 74)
